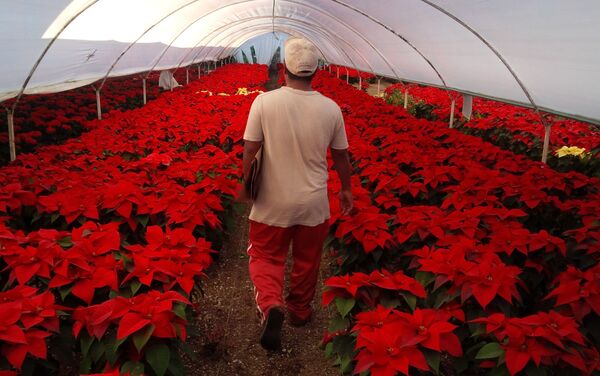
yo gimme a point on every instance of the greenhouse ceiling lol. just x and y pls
(539, 53)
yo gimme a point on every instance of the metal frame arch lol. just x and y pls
(319, 28)
(254, 35)
(403, 38)
(294, 30)
(268, 17)
(351, 28)
(493, 49)
(190, 25)
(262, 28)
(140, 37)
(228, 25)
(43, 54)
(265, 17)
(306, 30)
(317, 9)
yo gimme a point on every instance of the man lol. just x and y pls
(295, 126)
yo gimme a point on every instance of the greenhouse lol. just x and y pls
(471, 242)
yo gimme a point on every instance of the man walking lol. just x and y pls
(295, 126)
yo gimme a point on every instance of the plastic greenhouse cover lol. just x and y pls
(539, 53)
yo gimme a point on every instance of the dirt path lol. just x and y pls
(227, 328)
(224, 336)
(372, 90)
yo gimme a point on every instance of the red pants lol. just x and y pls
(268, 249)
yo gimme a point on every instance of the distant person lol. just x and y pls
(166, 81)
(295, 126)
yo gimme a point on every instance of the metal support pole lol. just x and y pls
(359, 82)
(338, 72)
(347, 76)
(378, 86)
(11, 135)
(452, 113)
(98, 104)
(546, 144)
(144, 90)
(329, 68)
(187, 76)
(199, 70)
(405, 98)
(467, 109)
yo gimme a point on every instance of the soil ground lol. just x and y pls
(227, 328)
(372, 90)
(226, 331)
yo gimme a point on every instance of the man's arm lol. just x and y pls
(250, 150)
(341, 163)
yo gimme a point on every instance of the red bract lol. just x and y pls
(132, 315)
(34, 344)
(13, 197)
(30, 261)
(72, 203)
(579, 290)
(89, 264)
(10, 313)
(544, 338)
(349, 285)
(369, 229)
(397, 336)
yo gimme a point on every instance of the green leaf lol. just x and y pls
(135, 286)
(97, 351)
(85, 341)
(390, 302)
(134, 368)
(143, 219)
(411, 300)
(338, 323)
(65, 291)
(179, 310)
(66, 242)
(85, 366)
(36, 217)
(176, 367)
(424, 278)
(532, 370)
(141, 337)
(433, 359)
(329, 350)
(490, 351)
(346, 364)
(344, 306)
(344, 346)
(158, 356)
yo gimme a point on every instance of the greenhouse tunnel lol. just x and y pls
(547, 59)
(429, 176)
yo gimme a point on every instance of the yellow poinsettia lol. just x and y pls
(244, 91)
(205, 91)
(571, 150)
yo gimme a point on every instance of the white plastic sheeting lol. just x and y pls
(265, 47)
(541, 53)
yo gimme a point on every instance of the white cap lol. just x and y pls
(301, 57)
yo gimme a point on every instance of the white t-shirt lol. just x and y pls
(296, 127)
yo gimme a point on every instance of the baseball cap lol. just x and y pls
(301, 57)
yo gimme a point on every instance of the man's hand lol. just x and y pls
(341, 163)
(346, 201)
(242, 195)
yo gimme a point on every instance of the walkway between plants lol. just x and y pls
(225, 333)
